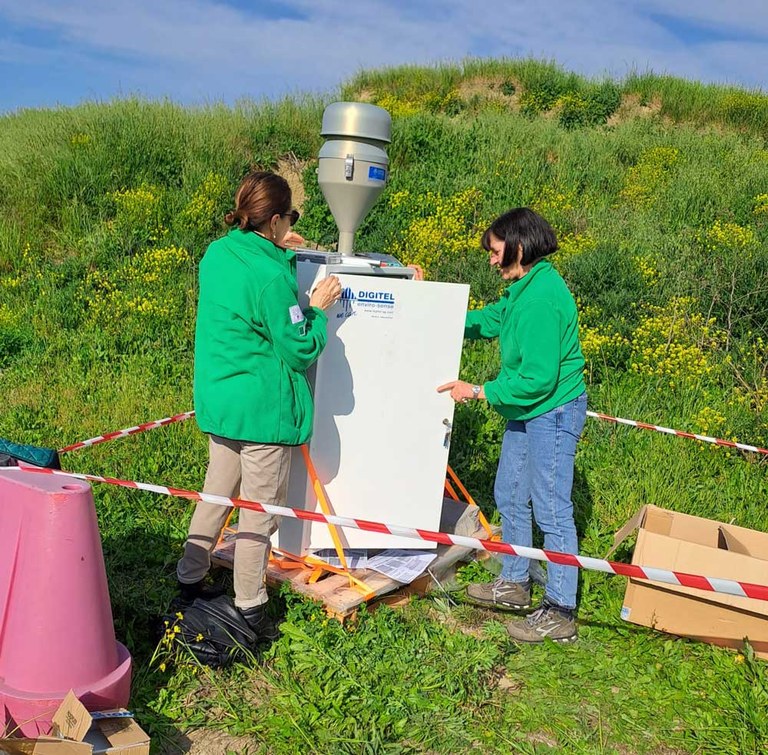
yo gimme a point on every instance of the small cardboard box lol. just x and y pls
(78, 732)
(683, 543)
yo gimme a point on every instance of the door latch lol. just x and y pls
(448, 431)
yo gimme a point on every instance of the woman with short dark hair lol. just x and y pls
(253, 346)
(540, 391)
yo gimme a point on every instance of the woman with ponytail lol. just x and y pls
(253, 346)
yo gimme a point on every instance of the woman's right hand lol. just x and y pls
(326, 293)
(418, 272)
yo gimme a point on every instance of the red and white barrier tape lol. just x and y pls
(711, 584)
(596, 415)
(679, 433)
(128, 431)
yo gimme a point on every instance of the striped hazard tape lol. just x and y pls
(710, 584)
(594, 415)
(128, 431)
(678, 433)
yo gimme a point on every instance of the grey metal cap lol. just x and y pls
(357, 120)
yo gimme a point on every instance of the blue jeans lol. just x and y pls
(536, 466)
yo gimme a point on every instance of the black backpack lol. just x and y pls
(214, 631)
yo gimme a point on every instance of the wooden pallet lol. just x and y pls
(341, 600)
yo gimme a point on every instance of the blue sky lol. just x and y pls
(205, 51)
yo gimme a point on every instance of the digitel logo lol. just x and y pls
(348, 298)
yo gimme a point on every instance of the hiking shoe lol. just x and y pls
(261, 623)
(547, 620)
(506, 596)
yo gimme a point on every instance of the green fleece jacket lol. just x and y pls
(537, 325)
(253, 343)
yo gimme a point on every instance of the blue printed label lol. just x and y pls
(376, 304)
(625, 611)
(376, 174)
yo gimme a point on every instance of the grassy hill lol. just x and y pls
(658, 189)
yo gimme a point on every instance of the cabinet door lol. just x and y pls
(381, 431)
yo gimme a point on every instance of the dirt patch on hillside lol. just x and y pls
(365, 95)
(631, 106)
(292, 170)
(499, 89)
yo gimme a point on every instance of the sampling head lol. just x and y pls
(353, 164)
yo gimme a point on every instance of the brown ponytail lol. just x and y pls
(260, 196)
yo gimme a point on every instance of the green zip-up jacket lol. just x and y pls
(253, 343)
(536, 322)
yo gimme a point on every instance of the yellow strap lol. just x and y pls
(451, 492)
(316, 564)
(471, 501)
(325, 506)
(225, 530)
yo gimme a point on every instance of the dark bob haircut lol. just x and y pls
(524, 228)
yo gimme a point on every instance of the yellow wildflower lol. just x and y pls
(650, 174)
(447, 229)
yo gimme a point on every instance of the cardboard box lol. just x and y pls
(78, 732)
(691, 544)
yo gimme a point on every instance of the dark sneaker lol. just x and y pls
(546, 621)
(261, 623)
(506, 596)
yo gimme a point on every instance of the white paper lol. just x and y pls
(402, 565)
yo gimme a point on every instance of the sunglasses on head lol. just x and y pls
(294, 215)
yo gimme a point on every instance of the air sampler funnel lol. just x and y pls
(353, 163)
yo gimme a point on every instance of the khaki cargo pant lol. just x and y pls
(252, 471)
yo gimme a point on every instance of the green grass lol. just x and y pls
(534, 86)
(663, 220)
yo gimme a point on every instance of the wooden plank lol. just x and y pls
(342, 600)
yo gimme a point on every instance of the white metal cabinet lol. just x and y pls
(381, 430)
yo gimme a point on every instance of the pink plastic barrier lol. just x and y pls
(56, 630)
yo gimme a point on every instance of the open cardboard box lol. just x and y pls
(78, 732)
(680, 542)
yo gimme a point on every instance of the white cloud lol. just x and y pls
(744, 17)
(205, 50)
